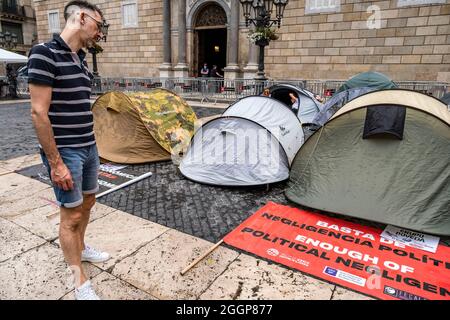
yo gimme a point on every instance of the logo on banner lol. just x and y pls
(400, 294)
(345, 276)
(273, 252)
(332, 272)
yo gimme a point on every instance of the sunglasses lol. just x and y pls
(101, 26)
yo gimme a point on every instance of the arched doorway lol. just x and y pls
(210, 38)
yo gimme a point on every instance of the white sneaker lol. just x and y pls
(86, 292)
(93, 255)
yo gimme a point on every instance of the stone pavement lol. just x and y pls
(146, 257)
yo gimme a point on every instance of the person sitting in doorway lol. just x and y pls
(295, 106)
(319, 98)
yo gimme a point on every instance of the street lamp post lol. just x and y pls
(8, 40)
(260, 13)
(94, 52)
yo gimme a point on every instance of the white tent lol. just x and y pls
(275, 117)
(252, 143)
(11, 57)
(309, 106)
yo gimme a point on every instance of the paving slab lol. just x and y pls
(121, 234)
(345, 294)
(44, 221)
(156, 267)
(40, 273)
(17, 203)
(15, 240)
(250, 278)
(21, 162)
(109, 287)
(17, 186)
(4, 171)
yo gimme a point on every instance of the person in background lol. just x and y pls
(215, 74)
(11, 74)
(266, 92)
(204, 71)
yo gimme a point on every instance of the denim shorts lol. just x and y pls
(83, 164)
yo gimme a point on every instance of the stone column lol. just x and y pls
(232, 69)
(181, 69)
(252, 64)
(165, 70)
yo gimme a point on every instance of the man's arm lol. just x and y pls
(40, 103)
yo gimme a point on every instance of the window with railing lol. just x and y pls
(129, 14)
(322, 6)
(405, 3)
(53, 21)
(11, 7)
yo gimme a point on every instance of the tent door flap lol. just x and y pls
(384, 121)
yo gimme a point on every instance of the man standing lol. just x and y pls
(214, 73)
(204, 70)
(60, 87)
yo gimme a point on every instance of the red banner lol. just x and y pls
(344, 253)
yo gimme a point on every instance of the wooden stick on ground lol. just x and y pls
(201, 257)
(52, 215)
(7, 172)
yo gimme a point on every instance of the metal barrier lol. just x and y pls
(224, 90)
(431, 88)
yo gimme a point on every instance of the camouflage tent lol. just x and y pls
(141, 127)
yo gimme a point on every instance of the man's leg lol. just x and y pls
(88, 203)
(90, 187)
(69, 234)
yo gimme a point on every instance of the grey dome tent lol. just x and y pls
(252, 143)
(351, 89)
(446, 98)
(403, 182)
(309, 105)
(338, 101)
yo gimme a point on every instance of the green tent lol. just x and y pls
(368, 79)
(399, 179)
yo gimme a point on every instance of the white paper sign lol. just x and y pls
(111, 166)
(411, 238)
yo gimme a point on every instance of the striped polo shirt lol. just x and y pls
(54, 64)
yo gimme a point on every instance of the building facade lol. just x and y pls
(17, 16)
(318, 39)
